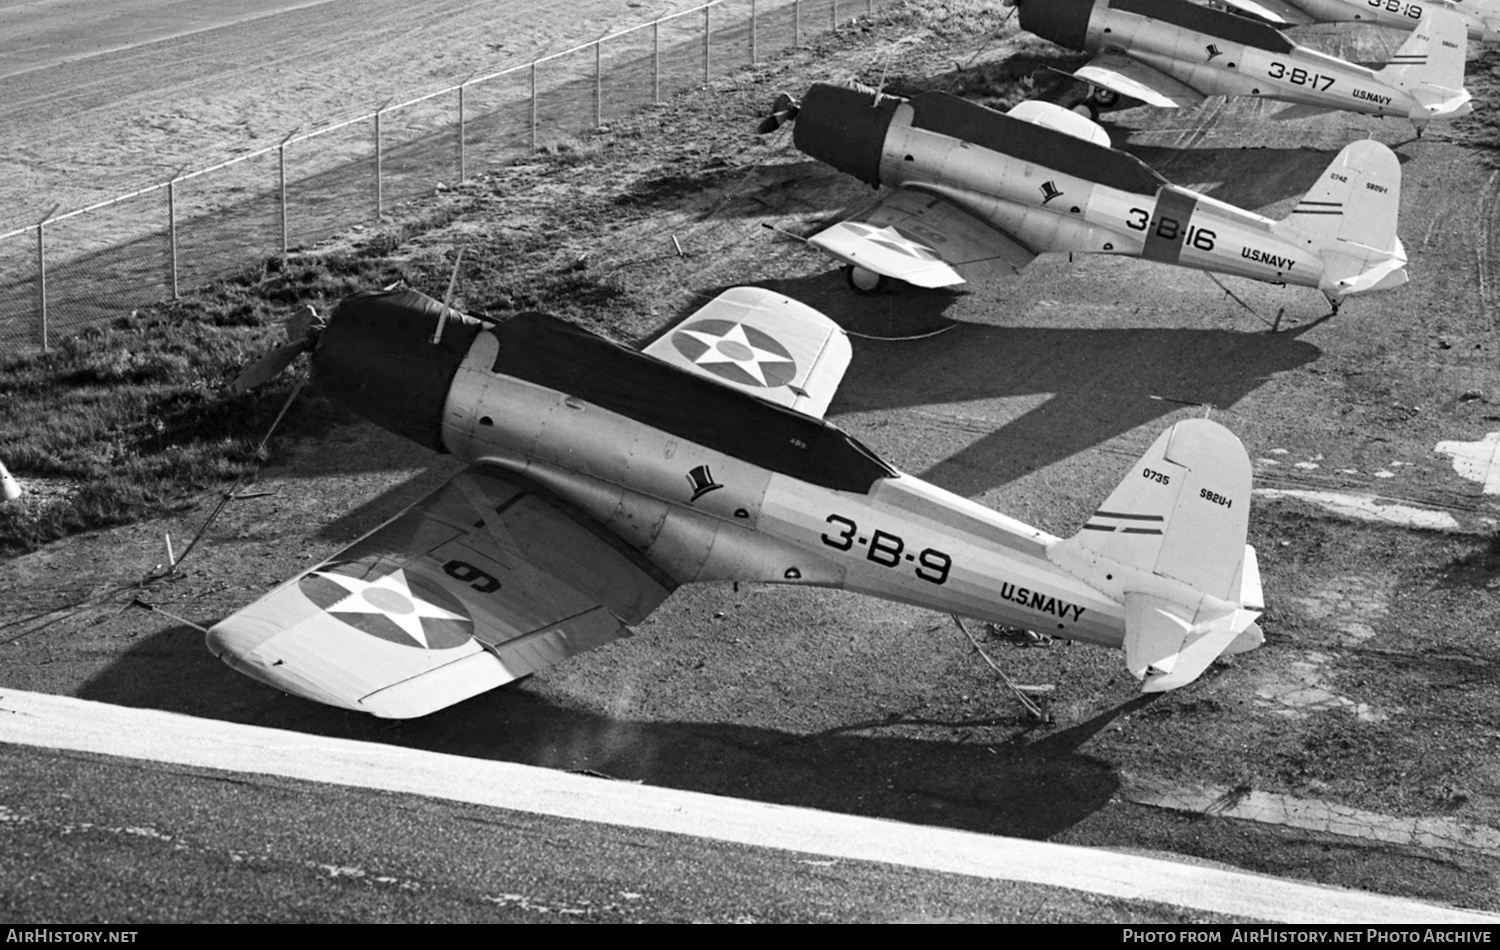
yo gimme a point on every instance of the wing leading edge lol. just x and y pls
(488, 579)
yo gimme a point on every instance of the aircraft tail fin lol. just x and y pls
(1170, 543)
(1430, 67)
(1349, 219)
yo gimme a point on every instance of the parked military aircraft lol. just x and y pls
(601, 478)
(1175, 53)
(1481, 17)
(975, 193)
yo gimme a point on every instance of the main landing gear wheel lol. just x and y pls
(863, 281)
(1086, 109)
(1098, 100)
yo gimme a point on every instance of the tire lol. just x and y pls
(1087, 109)
(863, 281)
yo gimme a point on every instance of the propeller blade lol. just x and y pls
(783, 110)
(268, 366)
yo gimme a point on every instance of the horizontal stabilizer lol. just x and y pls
(1345, 274)
(1167, 645)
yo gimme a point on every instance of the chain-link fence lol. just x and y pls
(76, 269)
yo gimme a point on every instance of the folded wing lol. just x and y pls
(924, 240)
(763, 342)
(1133, 78)
(488, 579)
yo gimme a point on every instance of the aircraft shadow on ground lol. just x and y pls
(1024, 789)
(1249, 178)
(1100, 383)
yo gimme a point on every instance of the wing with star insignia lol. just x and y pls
(762, 342)
(924, 240)
(488, 579)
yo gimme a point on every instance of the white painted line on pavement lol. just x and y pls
(1367, 508)
(58, 722)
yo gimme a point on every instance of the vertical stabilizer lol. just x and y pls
(1349, 219)
(1170, 544)
(1429, 67)
(1182, 512)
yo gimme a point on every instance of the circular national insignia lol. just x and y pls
(737, 352)
(398, 607)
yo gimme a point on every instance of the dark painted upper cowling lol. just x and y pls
(549, 352)
(844, 127)
(1064, 22)
(377, 357)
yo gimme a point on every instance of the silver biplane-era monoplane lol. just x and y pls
(1481, 17)
(1176, 53)
(976, 193)
(601, 478)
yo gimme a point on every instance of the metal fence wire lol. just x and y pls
(83, 267)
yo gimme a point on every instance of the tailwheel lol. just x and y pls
(863, 281)
(1103, 98)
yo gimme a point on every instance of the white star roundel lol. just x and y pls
(388, 608)
(737, 352)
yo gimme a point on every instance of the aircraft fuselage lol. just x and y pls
(1050, 209)
(1218, 53)
(1050, 190)
(1400, 14)
(703, 513)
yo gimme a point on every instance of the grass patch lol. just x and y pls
(137, 414)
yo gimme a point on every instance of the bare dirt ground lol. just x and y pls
(1357, 748)
(101, 97)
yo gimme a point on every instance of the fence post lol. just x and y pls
(379, 192)
(462, 173)
(753, 58)
(797, 13)
(655, 61)
(598, 83)
(533, 105)
(281, 184)
(172, 231)
(706, 8)
(41, 282)
(833, 16)
(869, 7)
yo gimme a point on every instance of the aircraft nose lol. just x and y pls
(844, 127)
(1064, 22)
(377, 357)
